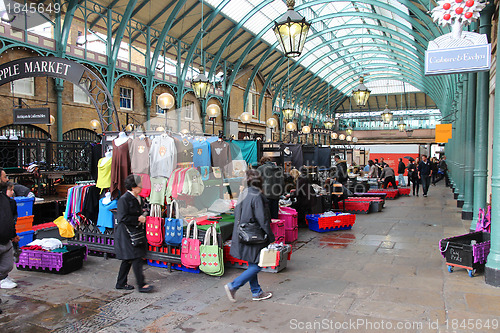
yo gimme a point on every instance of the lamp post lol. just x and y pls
(94, 123)
(166, 101)
(246, 117)
(52, 121)
(272, 123)
(291, 127)
(213, 111)
(291, 31)
(306, 130)
(361, 93)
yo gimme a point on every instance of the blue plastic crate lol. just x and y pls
(24, 206)
(177, 267)
(25, 237)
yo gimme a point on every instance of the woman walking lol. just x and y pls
(413, 175)
(130, 215)
(252, 206)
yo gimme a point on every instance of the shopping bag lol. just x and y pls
(212, 262)
(173, 226)
(154, 226)
(65, 229)
(190, 249)
(268, 257)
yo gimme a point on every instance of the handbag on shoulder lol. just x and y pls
(251, 233)
(137, 235)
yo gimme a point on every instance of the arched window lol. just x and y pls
(24, 131)
(252, 100)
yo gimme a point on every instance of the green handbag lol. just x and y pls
(212, 261)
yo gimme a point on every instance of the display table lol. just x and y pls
(49, 209)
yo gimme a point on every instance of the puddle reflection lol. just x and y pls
(337, 240)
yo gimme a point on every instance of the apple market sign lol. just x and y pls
(458, 51)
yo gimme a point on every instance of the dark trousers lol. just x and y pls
(274, 206)
(136, 265)
(391, 180)
(416, 185)
(426, 181)
(441, 176)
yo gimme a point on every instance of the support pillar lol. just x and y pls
(59, 87)
(459, 194)
(178, 113)
(469, 148)
(482, 115)
(492, 270)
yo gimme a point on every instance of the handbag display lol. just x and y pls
(137, 235)
(212, 260)
(173, 227)
(154, 226)
(190, 249)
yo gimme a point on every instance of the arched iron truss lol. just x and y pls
(375, 35)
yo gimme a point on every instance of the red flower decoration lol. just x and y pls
(469, 3)
(459, 10)
(446, 6)
(446, 16)
(458, 1)
(468, 15)
(203, 255)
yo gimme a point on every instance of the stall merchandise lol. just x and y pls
(162, 156)
(330, 221)
(120, 167)
(60, 261)
(139, 154)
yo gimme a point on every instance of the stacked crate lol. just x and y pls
(290, 217)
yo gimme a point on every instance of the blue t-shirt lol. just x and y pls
(105, 218)
(201, 153)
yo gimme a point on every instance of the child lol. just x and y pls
(8, 213)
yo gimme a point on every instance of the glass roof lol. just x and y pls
(366, 46)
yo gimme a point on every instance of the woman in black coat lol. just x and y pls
(252, 205)
(130, 215)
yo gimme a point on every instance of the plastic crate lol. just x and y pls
(376, 204)
(289, 216)
(331, 223)
(24, 206)
(53, 262)
(355, 207)
(25, 237)
(391, 193)
(467, 251)
(24, 223)
(291, 235)
(178, 267)
(278, 229)
(405, 191)
(46, 230)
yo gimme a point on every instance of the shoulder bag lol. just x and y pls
(173, 226)
(250, 232)
(137, 235)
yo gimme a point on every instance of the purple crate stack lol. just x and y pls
(480, 252)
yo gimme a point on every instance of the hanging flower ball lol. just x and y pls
(469, 3)
(447, 6)
(468, 15)
(459, 10)
(446, 17)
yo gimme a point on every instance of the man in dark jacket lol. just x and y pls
(424, 174)
(273, 184)
(443, 172)
(341, 174)
(252, 205)
(7, 235)
(401, 172)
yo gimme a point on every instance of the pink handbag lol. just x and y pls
(190, 249)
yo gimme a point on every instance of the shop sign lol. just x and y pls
(458, 60)
(271, 146)
(31, 116)
(321, 131)
(41, 66)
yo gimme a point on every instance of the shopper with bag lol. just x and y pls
(251, 233)
(130, 236)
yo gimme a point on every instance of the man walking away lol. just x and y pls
(387, 176)
(341, 174)
(401, 173)
(273, 183)
(443, 172)
(424, 174)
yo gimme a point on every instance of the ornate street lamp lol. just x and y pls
(200, 84)
(386, 115)
(272, 123)
(349, 130)
(213, 111)
(52, 121)
(166, 101)
(94, 124)
(246, 118)
(291, 127)
(401, 125)
(291, 31)
(288, 112)
(361, 93)
(329, 122)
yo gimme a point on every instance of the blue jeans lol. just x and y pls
(426, 181)
(401, 179)
(250, 275)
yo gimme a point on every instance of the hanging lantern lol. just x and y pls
(201, 85)
(361, 93)
(213, 111)
(272, 122)
(166, 101)
(349, 130)
(291, 127)
(401, 125)
(306, 129)
(334, 136)
(409, 132)
(288, 112)
(329, 122)
(386, 115)
(291, 31)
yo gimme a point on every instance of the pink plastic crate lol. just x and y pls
(291, 235)
(278, 229)
(289, 217)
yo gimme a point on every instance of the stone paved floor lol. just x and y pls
(386, 274)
